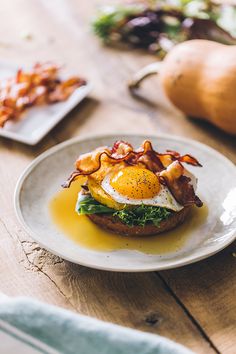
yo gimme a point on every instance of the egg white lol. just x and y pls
(163, 199)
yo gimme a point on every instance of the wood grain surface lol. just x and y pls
(194, 305)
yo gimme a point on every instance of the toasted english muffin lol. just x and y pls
(115, 225)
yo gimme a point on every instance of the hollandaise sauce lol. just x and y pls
(82, 231)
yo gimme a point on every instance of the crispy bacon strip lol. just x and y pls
(186, 158)
(179, 185)
(41, 85)
(121, 148)
(94, 160)
(90, 163)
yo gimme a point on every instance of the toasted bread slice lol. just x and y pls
(113, 224)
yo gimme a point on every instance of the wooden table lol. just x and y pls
(194, 305)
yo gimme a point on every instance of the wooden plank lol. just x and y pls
(207, 289)
(139, 301)
(18, 277)
(134, 300)
(167, 305)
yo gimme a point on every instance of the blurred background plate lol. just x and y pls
(37, 121)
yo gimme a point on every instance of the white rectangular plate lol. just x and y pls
(37, 121)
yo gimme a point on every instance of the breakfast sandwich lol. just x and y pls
(135, 192)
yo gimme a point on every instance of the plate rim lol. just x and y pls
(174, 264)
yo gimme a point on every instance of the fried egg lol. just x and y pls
(135, 185)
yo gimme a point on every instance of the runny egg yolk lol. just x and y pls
(135, 182)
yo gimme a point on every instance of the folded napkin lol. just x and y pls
(30, 327)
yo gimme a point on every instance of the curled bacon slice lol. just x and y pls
(186, 158)
(41, 85)
(89, 163)
(179, 184)
(166, 165)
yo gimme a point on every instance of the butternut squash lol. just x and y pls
(199, 78)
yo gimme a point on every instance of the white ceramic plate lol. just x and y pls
(41, 180)
(39, 120)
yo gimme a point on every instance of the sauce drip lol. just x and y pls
(82, 231)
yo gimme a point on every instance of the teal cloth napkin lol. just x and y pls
(34, 327)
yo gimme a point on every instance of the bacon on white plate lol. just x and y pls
(41, 85)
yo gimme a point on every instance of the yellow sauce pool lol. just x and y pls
(82, 231)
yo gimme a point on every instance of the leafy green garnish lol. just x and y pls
(136, 216)
(111, 17)
(88, 205)
(143, 215)
(157, 25)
